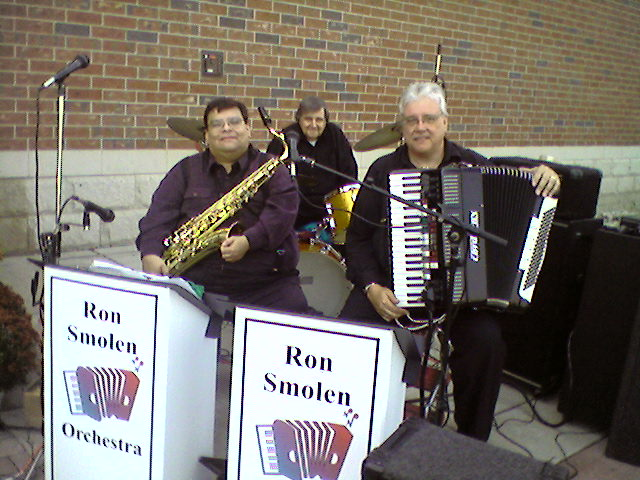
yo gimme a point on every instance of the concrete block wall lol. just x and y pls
(125, 180)
(117, 179)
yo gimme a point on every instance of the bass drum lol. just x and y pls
(322, 276)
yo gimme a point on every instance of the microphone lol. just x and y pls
(105, 214)
(266, 119)
(292, 138)
(81, 61)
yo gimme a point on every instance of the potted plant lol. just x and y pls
(17, 340)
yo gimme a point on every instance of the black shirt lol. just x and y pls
(367, 246)
(331, 149)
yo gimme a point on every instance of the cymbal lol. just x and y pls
(380, 138)
(187, 127)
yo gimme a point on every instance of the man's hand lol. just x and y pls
(154, 264)
(234, 248)
(545, 180)
(384, 301)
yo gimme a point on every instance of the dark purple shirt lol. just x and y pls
(194, 184)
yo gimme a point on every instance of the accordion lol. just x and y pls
(101, 392)
(498, 200)
(303, 449)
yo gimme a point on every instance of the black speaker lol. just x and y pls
(580, 186)
(601, 337)
(418, 450)
(624, 435)
(537, 338)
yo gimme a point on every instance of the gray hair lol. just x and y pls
(311, 104)
(419, 90)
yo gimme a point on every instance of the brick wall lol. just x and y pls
(518, 73)
(523, 78)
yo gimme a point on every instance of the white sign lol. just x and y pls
(304, 396)
(102, 377)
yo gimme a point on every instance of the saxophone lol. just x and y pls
(200, 236)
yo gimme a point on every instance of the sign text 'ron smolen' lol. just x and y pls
(94, 313)
(319, 392)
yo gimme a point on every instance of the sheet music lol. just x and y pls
(105, 266)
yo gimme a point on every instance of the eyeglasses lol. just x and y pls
(312, 119)
(233, 122)
(427, 119)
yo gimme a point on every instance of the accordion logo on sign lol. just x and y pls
(101, 392)
(303, 449)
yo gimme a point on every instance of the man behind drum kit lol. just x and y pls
(326, 143)
(478, 349)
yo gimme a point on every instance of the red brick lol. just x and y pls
(154, 97)
(183, 98)
(33, 26)
(118, 144)
(183, 29)
(108, 132)
(116, 8)
(119, 96)
(13, 10)
(142, 61)
(116, 46)
(154, 73)
(120, 71)
(182, 76)
(148, 49)
(84, 44)
(142, 11)
(176, 110)
(168, 39)
(212, 9)
(179, 143)
(109, 108)
(270, 17)
(150, 144)
(85, 18)
(141, 132)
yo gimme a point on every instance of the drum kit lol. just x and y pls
(321, 266)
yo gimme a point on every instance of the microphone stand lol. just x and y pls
(456, 235)
(50, 241)
(438, 404)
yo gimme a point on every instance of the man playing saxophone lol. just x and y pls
(255, 264)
